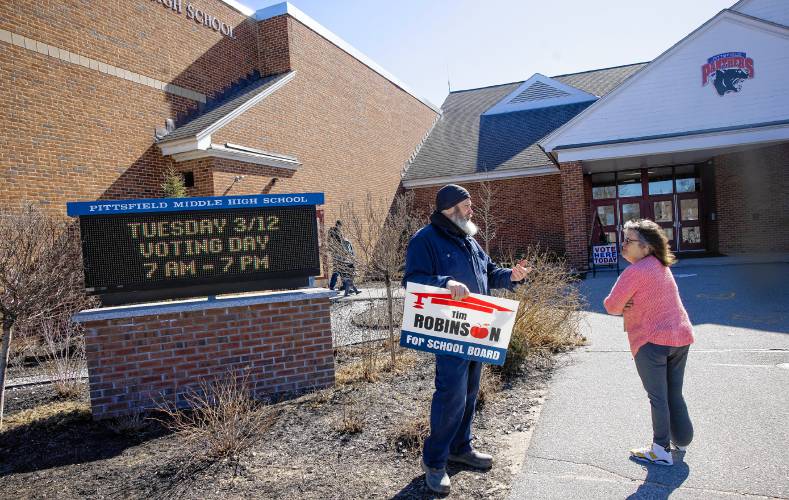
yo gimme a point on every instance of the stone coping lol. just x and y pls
(201, 303)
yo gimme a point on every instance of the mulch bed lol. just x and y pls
(344, 442)
(356, 440)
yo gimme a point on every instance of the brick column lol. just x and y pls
(137, 355)
(574, 215)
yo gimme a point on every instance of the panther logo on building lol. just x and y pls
(727, 71)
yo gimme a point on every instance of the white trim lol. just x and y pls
(482, 176)
(713, 140)
(241, 109)
(288, 8)
(240, 7)
(94, 65)
(217, 151)
(575, 96)
(550, 141)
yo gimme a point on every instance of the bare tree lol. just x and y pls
(380, 231)
(40, 273)
(487, 218)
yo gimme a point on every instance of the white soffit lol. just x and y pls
(481, 176)
(288, 8)
(539, 91)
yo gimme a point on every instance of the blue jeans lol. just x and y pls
(333, 280)
(454, 402)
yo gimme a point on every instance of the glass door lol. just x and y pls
(663, 212)
(688, 203)
(689, 223)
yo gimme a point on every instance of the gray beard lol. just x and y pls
(466, 226)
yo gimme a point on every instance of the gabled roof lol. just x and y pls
(539, 91)
(464, 143)
(221, 113)
(561, 138)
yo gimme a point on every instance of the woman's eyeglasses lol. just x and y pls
(628, 240)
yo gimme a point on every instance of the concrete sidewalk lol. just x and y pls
(736, 387)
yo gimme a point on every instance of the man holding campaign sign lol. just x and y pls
(447, 278)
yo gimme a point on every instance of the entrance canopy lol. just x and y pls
(719, 90)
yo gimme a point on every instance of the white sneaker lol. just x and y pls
(678, 447)
(654, 453)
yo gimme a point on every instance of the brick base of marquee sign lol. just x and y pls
(138, 355)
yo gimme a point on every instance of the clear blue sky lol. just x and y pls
(480, 43)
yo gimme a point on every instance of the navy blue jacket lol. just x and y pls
(440, 252)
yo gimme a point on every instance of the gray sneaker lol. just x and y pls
(473, 458)
(436, 479)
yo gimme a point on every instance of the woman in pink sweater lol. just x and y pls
(659, 332)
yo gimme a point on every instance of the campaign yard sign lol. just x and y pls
(477, 328)
(604, 254)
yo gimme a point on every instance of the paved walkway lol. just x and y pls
(737, 389)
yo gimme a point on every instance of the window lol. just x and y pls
(189, 179)
(629, 183)
(687, 180)
(660, 181)
(603, 186)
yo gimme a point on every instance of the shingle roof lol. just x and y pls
(464, 142)
(223, 107)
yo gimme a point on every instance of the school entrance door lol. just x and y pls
(670, 196)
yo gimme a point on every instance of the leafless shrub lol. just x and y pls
(548, 319)
(380, 231)
(410, 436)
(40, 273)
(352, 422)
(489, 387)
(135, 423)
(486, 216)
(222, 420)
(64, 345)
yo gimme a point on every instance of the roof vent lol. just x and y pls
(537, 92)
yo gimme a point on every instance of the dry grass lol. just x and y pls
(135, 423)
(53, 414)
(548, 319)
(359, 370)
(64, 344)
(410, 436)
(222, 420)
(490, 386)
(352, 422)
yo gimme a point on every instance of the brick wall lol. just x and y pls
(752, 204)
(282, 346)
(77, 133)
(575, 210)
(352, 129)
(529, 206)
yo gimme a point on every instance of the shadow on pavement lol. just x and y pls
(753, 296)
(661, 481)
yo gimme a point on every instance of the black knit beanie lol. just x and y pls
(449, 196)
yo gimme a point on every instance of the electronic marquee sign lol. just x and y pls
(148, 249)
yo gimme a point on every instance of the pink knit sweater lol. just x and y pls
(657, 314)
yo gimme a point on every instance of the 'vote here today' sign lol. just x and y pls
(604, 254)
(476, 328)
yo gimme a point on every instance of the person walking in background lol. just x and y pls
(659, 332)
(336, 249)
(445, 254)
(348, 269)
